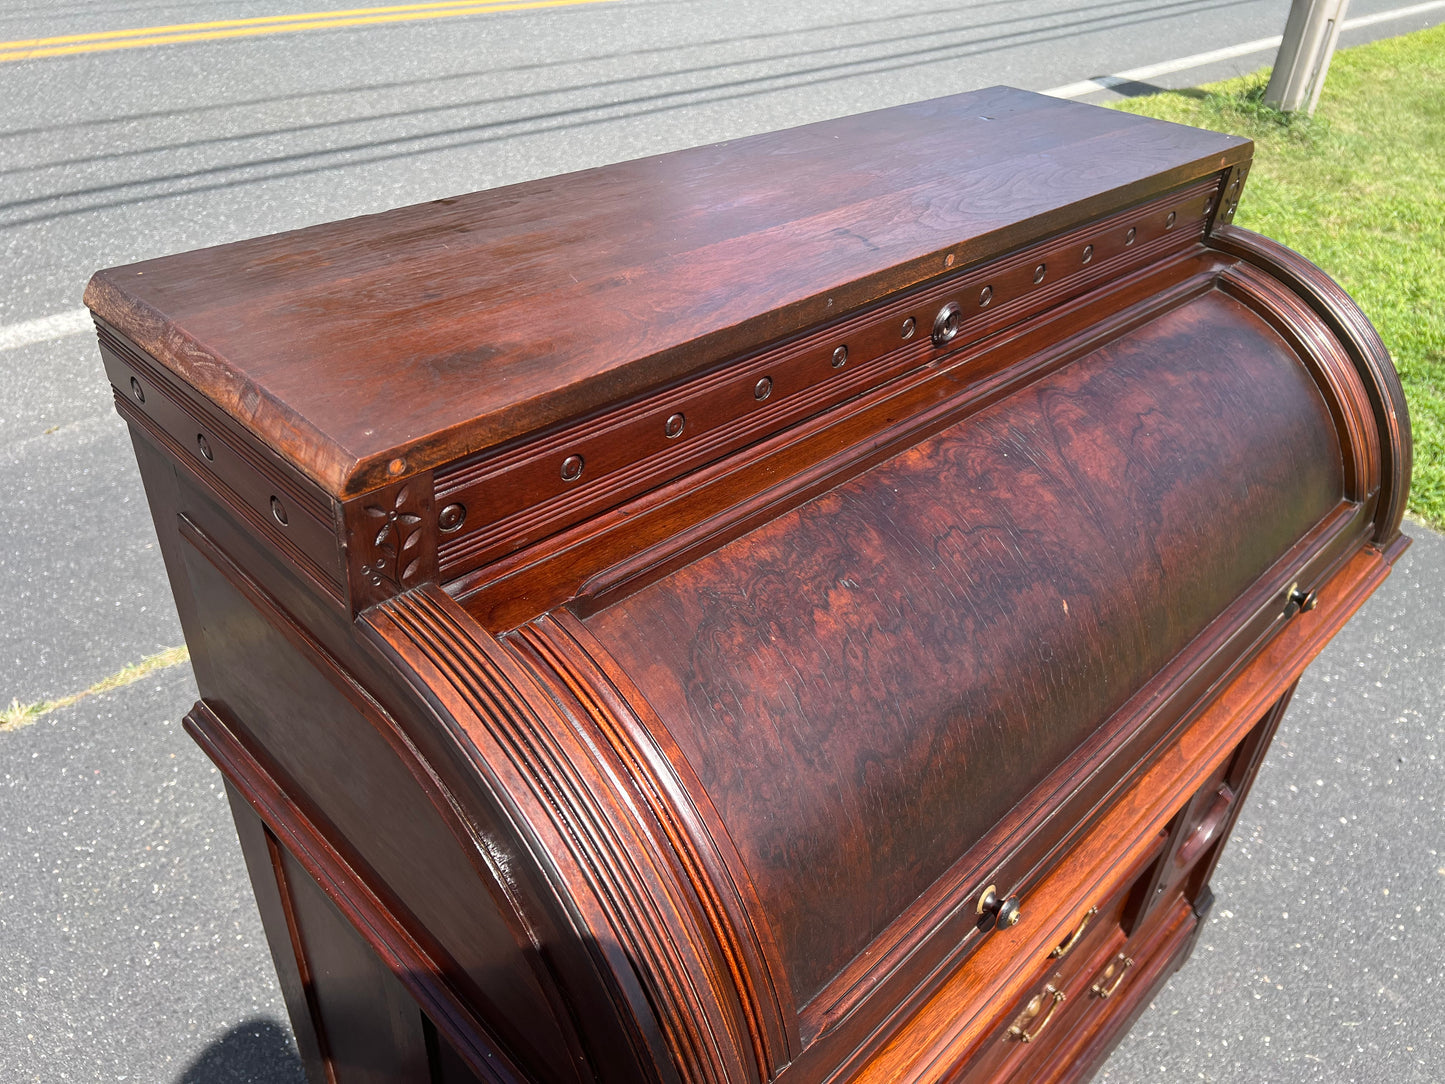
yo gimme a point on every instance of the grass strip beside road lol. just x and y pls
(1359, 189)
(18, 715)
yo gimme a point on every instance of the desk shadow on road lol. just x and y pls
(1133, 88)
(258, 1051)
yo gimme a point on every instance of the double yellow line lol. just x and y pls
(105, 41)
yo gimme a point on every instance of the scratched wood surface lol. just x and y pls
(437, 330)
(867, 684)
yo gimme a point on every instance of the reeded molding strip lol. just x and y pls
(1366, 349)
(630, 927)
(564, 654)
(1320, 349)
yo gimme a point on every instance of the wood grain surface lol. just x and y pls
(367, 349)
(867, 684)
(640, 614)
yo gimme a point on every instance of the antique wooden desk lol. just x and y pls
(802, 609)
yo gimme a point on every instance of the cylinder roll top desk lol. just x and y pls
(802, 609)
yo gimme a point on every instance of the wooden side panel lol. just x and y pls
(355, 1023)
(867, 684)
(446, 1066)
(373, 1028)
(338, 755)
(261, 851)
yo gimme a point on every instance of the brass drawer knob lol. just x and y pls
(1003, 912)
(1298, 600)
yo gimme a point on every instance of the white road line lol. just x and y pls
(1197, 60)
(45, 328)
(1150, 71)
(1393, 13)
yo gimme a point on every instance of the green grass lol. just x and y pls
(1359, 189)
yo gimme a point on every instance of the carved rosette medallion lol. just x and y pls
(391, 541)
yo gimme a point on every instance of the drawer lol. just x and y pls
(1103, 973)
(1088, 1006)
(1114, 995)
(1028, 1032)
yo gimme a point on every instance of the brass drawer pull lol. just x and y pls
(1020, 1033)
(1123, 963)
(1068, 946)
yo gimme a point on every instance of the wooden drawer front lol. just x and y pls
(1040, 1018)
(1085, 1000)
(1114, 996)
(1031, 1034)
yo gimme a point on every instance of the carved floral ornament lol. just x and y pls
(396, 547)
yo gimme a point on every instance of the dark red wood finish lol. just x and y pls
(640, 614)
(535, 304)
(840, 665)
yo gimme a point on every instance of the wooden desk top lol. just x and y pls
(366, 350)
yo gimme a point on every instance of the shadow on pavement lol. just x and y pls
(258, 1051)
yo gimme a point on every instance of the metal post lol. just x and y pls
(1310, 34)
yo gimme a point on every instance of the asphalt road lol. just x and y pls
(129, 948)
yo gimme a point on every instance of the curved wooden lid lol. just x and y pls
(870, 684)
